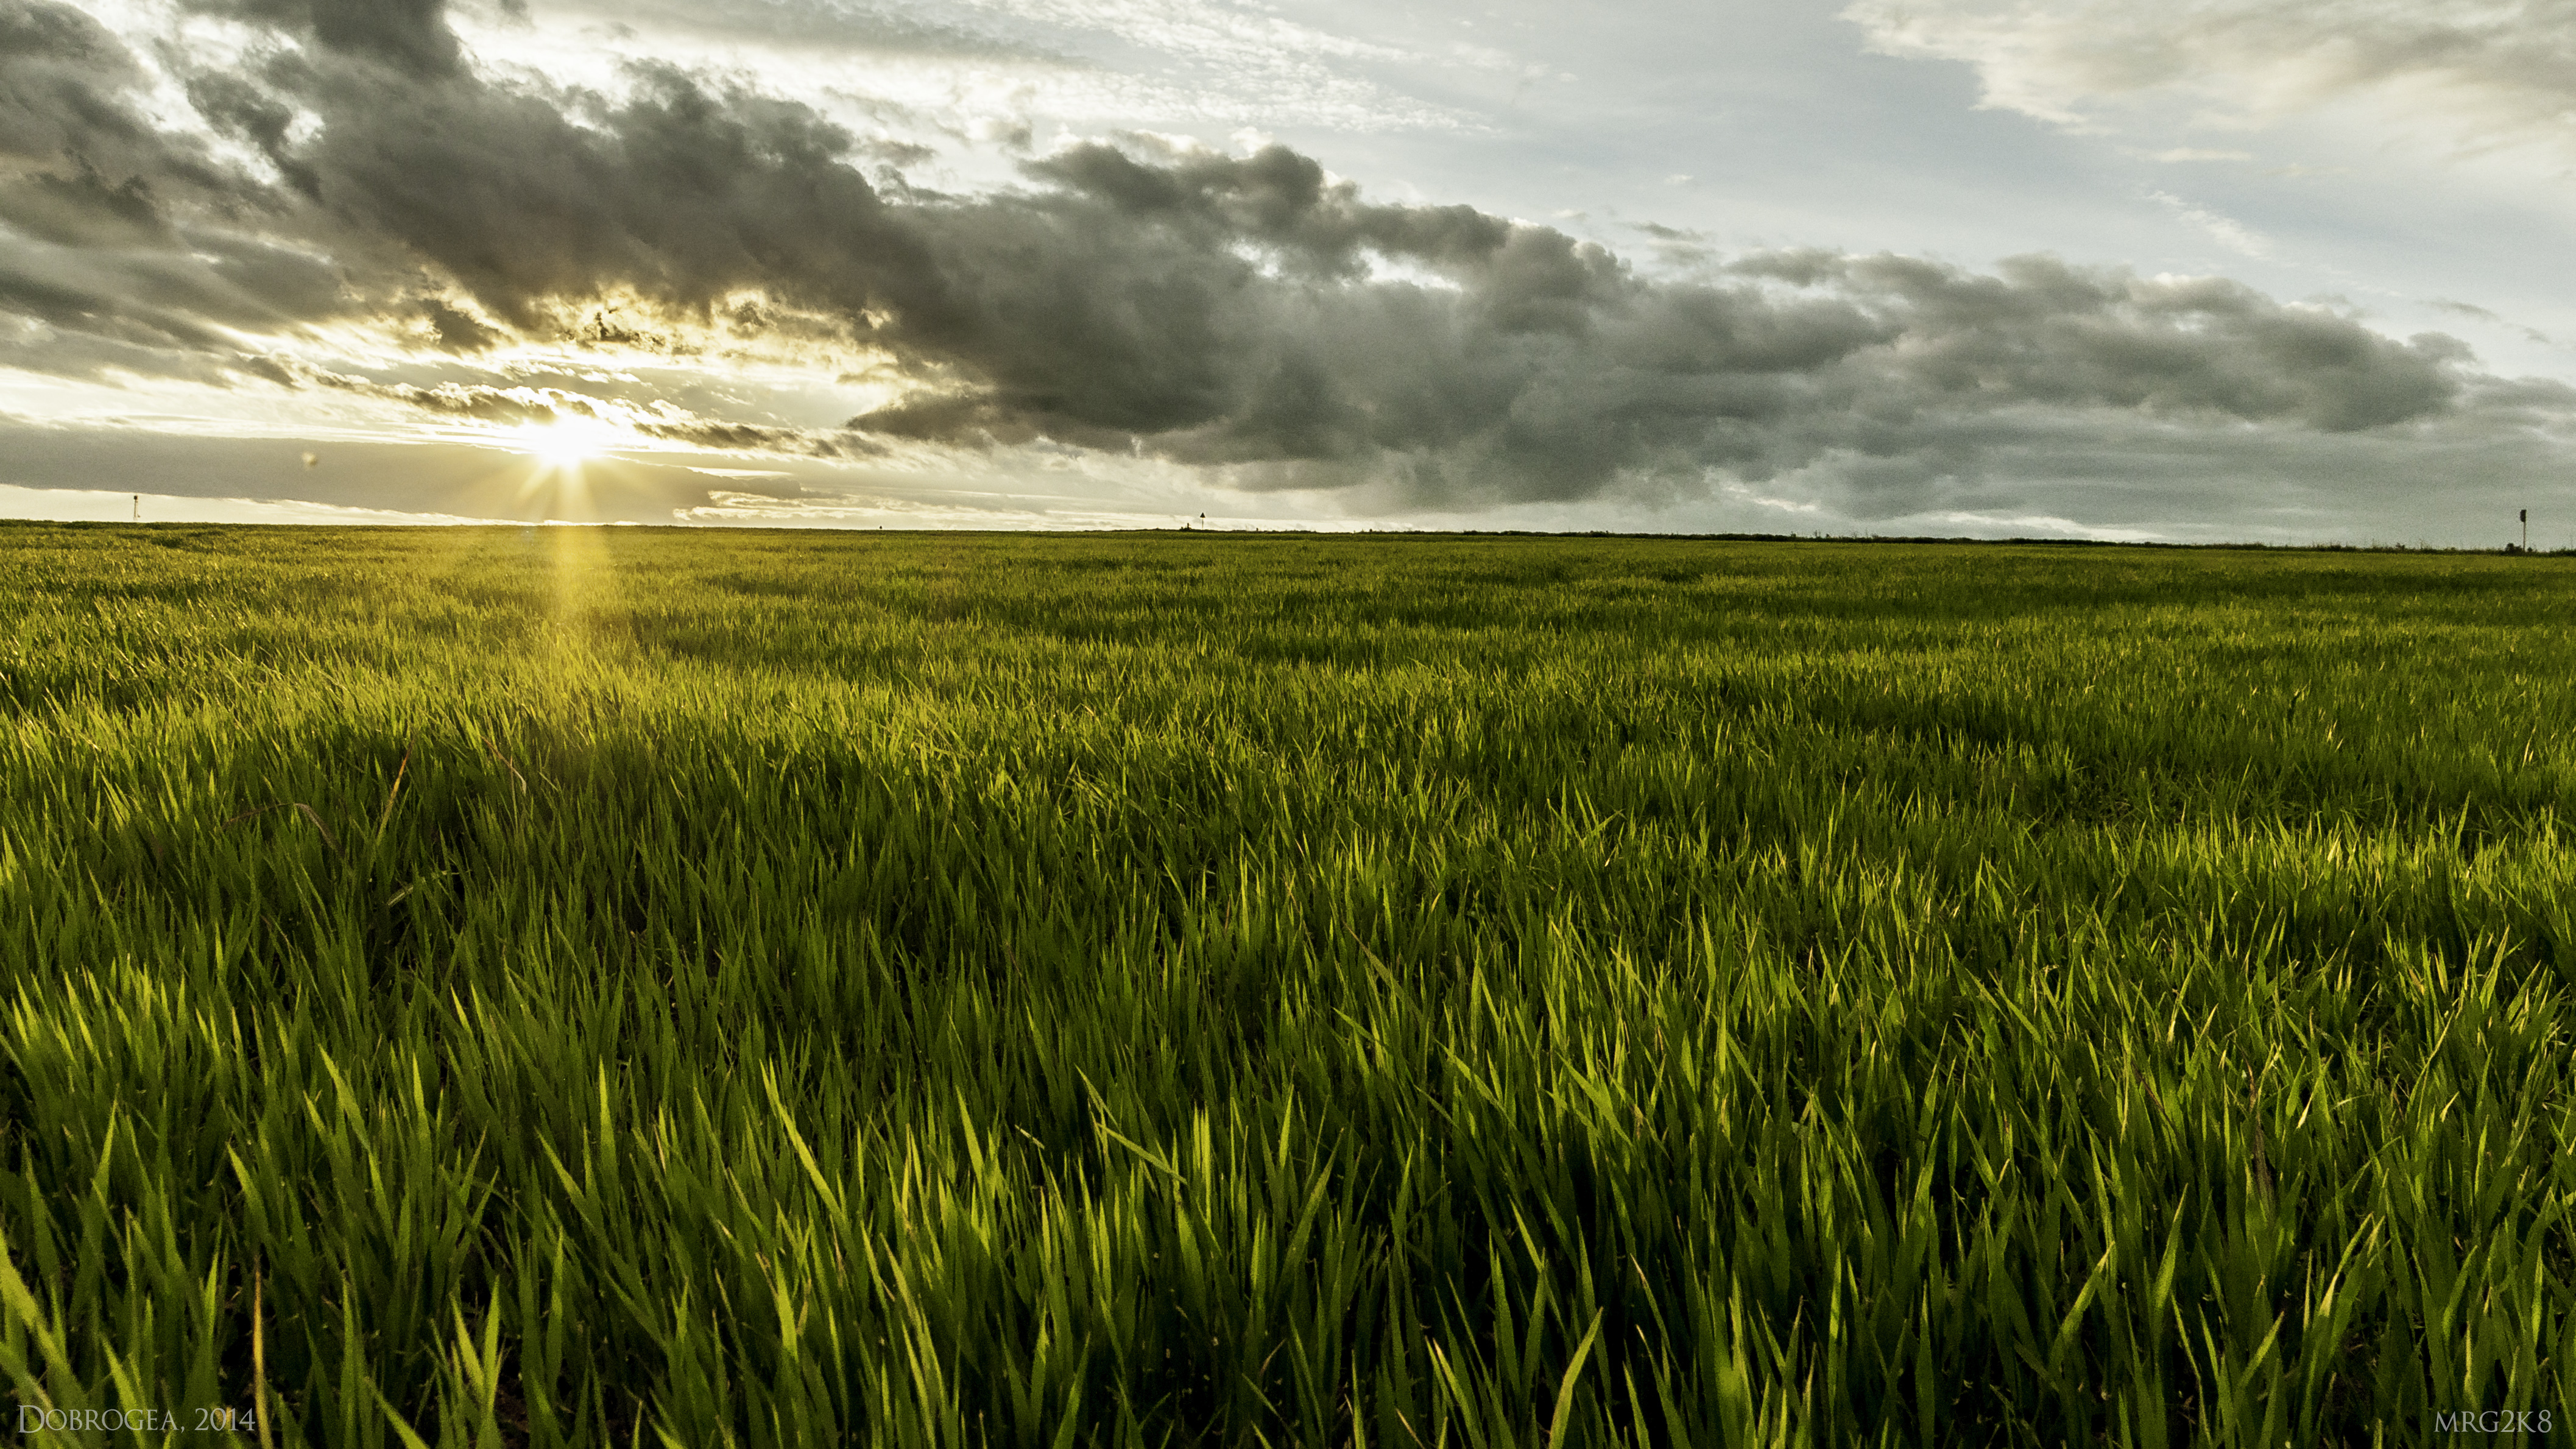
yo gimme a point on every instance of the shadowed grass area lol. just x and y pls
(577, 986)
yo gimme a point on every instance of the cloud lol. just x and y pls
(989, 72)
(365, 216)
(1218, 311)
(2478, 75)
(811, 27)
(2482, 314)
(1250, 64)
(2226, 231)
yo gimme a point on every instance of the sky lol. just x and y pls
(2286, 271)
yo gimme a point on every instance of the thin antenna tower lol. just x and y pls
(138, 508)
(2526, 530)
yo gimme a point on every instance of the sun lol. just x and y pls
(563, 451)
(569, 442)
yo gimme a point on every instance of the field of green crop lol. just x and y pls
(570, 987)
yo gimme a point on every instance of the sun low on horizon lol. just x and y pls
(568, 443)
(561, 455)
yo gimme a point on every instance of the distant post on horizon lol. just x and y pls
(138, 508)
(2526, 530)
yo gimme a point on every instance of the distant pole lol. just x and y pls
(138, 508)
(2526, 530)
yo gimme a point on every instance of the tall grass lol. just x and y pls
(480, 988)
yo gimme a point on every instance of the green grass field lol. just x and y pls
(567, 987)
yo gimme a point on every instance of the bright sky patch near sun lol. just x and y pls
(2239, 269)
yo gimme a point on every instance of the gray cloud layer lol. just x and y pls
(1247, 314)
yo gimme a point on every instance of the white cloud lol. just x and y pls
(2479, 76)
(2226, 231)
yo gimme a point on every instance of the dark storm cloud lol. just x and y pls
(456, 330)
(79, 163)
(129, 247)
(65, 78)
(411, 36)
(1223, 310)
(676, 195)
(2043, 331)
(1250, 314)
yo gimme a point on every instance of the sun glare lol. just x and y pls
(563, 451)
(569, 442)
